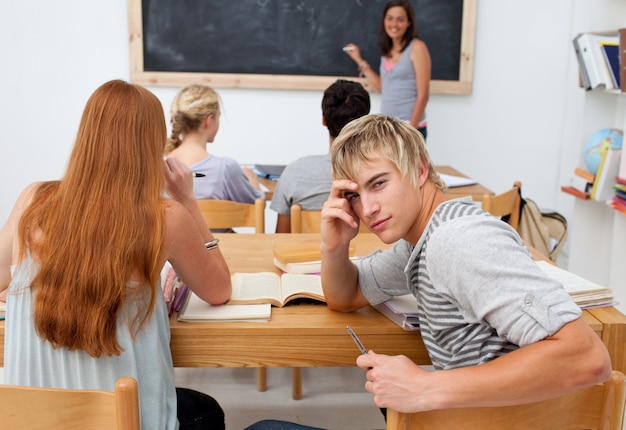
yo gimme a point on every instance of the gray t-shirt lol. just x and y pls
(305, 181)
(223, 180)
(479, 292)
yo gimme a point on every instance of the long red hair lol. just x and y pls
(100, 224)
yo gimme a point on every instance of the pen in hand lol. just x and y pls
(356, 340)
(198, 175)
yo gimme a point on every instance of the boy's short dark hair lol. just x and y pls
(344, 101)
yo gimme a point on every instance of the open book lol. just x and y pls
(196, 309)
(278, 290)
(585, 293)
(456, 181)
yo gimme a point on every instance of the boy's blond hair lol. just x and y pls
(373, 136)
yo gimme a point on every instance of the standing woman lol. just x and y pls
(405, 65)
(80, 262)
(195, 118)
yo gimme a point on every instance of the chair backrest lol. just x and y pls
(506, 204)
(228, 214)
(37, 408)
(309, 221)
(597, 407)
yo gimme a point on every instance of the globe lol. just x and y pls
(595, 146)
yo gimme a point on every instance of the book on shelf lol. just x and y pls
(589, 50)
(580, 183)
(610, 50)
(622, 58)
(582, 70)
(575, 192)
(587, 175)
(585, 293)
(620, 189)
(608, 169)
(619, 203)
(619, 199)
(274, 289)
(301, 257)
(621, 172)
(402, 310)
(197, 310)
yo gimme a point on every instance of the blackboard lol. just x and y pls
(286, 43)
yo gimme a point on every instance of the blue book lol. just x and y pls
(611, 55)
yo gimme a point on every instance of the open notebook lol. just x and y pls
(456, 181)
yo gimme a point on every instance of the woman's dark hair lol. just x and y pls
(411, 33)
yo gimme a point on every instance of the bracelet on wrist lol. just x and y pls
(363, 65)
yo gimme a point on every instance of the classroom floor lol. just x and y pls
(332, 397)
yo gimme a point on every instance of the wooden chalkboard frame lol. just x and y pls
(138, 75)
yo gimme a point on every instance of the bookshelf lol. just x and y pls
(597, 232)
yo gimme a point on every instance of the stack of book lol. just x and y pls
(402, 310)
(601, 186)
(619, 199)
(585, 293)
(301, 257)
(599, 57)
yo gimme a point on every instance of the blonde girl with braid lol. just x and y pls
(195, 120)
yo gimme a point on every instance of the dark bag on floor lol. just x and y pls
(545, 230)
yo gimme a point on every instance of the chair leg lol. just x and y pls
(296, 383)
(261, 378)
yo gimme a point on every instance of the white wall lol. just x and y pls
(522, 121)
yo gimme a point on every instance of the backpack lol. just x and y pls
(546, 231)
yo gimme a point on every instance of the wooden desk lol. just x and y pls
(476, 190)
(313, 335)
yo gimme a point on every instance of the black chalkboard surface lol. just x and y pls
(281, 39)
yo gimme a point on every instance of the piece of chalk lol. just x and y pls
(348, 48)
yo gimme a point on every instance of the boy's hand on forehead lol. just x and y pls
(339, 223)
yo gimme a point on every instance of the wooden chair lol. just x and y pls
(598, 407)
(220, 214)
(506, 205)
(309, 221)
(37, 408)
